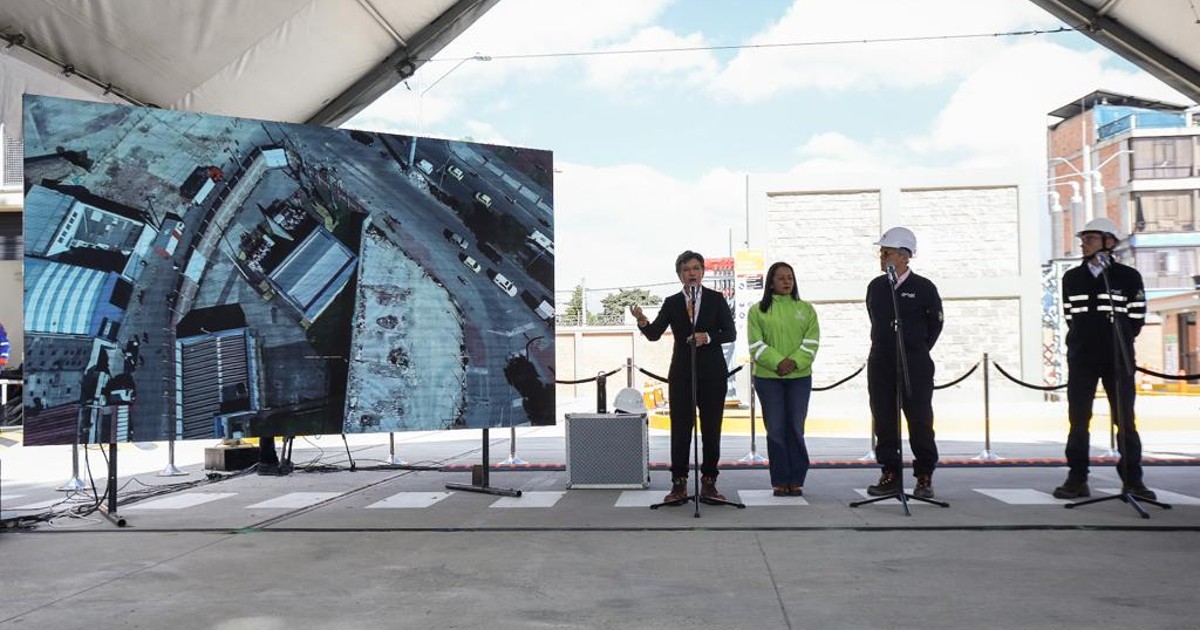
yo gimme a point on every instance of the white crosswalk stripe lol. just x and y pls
(767, 498)
(180, 501)
(639, 498)
(530, 500)
(296, 500)
(408, 500)
(1021, 496)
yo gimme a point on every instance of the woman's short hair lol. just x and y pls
(686, 256)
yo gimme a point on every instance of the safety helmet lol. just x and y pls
(1104, 225)
(629, 400)
(899, 237)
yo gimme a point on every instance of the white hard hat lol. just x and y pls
(629, 400)
(899, 237)
(1103, 225)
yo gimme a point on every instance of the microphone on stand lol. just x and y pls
(1104, 259)
(891, 273)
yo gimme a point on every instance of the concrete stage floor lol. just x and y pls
(382, 547)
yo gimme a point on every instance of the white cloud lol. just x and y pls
(756, 74)
(623, 225)
(628, 73)
(998, 115)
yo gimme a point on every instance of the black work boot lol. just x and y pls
(1073, 488)
(924, 488)
(678, 493)
(889, 483)
(1139, 491)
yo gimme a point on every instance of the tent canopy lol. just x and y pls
(314, 61)
(1163, 38)
(322, 61)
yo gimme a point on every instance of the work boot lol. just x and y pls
(708, 489)
(889, 483)
(678, 493)
(1140, 491)
(795, 490)
(1073, 488)
(924, 488)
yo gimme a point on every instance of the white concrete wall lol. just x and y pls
(977, 239)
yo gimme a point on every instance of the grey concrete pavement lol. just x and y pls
(335, 549)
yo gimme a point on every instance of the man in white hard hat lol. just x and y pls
(1097, 295)
(920, 308)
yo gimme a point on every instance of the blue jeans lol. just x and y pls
(785, 407)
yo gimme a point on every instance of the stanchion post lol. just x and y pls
(753, 457)
(171, 470)
(1112, 440)
(870, 456)
(393, 458)
(75, 484)
(601, 393)
(628, 371)
(987, 454)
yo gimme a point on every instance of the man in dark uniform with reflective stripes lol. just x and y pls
(1091, 307)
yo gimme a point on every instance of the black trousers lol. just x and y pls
(711, 395)
(882, 382)
(1081, 392)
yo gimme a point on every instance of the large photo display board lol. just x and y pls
(197, 276)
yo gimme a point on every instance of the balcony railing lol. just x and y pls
(1154, 120)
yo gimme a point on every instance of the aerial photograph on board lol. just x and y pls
(197, 276)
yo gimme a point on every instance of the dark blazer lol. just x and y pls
(715, 319)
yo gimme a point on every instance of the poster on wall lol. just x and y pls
(202, 276)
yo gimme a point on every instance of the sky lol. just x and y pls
(652, 149)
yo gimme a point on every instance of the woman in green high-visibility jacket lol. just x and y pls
(784, 336)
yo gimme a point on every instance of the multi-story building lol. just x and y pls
(1137, 162)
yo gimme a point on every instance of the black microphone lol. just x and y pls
(891, 273)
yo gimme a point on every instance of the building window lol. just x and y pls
(1164, 212)
(1159, 158)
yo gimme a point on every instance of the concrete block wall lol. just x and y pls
(964, 232)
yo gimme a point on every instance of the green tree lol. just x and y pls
(616, 304)
(572, 316)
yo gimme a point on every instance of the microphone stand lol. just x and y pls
(902, 378)
(1122, 366)
(695, 496)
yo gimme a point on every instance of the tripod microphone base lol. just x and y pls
(1134, 502)
(903, 498)
(705, 500)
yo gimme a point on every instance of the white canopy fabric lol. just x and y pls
(314, 61)
(1163, 38)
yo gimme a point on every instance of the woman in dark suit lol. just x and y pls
(700, 315)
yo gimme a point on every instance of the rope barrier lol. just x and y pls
(1043, 388)
(829, 387)
(663, 380)
(1181, 377)
(587, 380)
(959, 379)
(653, 375)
